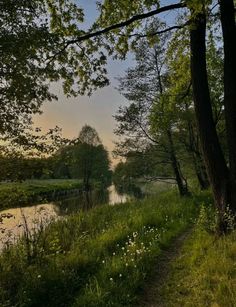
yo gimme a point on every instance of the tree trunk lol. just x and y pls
(229, 36)
(181, 181)
(200, 172)
(193, 148)
(212, 153)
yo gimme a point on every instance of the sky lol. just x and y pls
(71, 114)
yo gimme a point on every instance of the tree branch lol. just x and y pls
(158, 32)
(121, 24)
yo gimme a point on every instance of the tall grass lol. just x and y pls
(96, 258)
(205, 273)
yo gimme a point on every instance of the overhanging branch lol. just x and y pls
(121, 25)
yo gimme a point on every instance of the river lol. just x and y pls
(14, 221)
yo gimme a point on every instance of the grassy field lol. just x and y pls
(205, 272)
(98, 258)
(31, 191)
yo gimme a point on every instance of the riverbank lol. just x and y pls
(35, 191)
(101, 257)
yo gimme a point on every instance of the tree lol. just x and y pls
(86, 159)
(31, 34)
(227, 10)
(89, 136)
(149, 114)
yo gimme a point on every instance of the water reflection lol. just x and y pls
(131, 189)
(13, 222)
(84, 201)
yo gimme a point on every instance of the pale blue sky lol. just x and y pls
(97, 110)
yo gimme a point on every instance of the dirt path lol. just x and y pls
(152, 295)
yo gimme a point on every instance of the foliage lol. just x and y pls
(84, 158)
(33, 54)
(147, 166)
(17, 168)
(96, 258)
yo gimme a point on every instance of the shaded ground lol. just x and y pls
(153, 294)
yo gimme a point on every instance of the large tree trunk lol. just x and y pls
(200, 171)
(193, 148)
(212, 153)
(229, 36)
(180, 180)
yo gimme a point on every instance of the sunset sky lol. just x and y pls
(97, 111)
(72, 113)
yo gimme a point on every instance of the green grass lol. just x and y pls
(31, 191)
(205, 273)
(98, 258)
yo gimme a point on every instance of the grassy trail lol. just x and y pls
(153, 296)
(198, 270)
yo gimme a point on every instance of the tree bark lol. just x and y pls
(200, 172)
(181, 181)
(193, 148)
(229, 36)
(212, 152)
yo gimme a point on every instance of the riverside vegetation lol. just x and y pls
(98, 258)
(32, 191)
(94, 258)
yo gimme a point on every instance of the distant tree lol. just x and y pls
(84, 158)
(89, 135)
(19, 168)
(90, 160)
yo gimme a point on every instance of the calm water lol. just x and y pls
(14, 221)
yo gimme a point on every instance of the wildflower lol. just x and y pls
(39, 276)
(126, 264)
(120, 275)
(111, 279)
(103, 261)
(114, 254)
